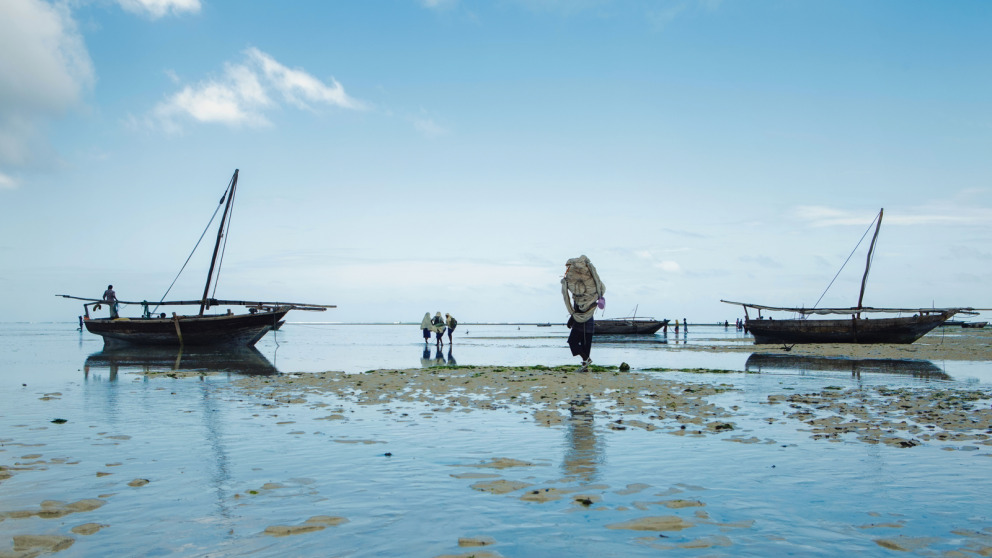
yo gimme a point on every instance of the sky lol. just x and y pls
(408, 156)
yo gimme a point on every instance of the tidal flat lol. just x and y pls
(490, 457)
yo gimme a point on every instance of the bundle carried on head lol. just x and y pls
(582, 280)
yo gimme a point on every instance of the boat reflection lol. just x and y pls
(621, 339)
(143, 360)
(758, 362)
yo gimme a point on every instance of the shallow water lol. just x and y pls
(222, 465)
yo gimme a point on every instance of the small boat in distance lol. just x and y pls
(227, 330)
(628, 326)
(853, 329)
(631, 325)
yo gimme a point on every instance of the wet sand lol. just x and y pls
(958, 419)
(901, 417)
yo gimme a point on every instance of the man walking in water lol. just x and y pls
(451, 322)
(582, 280)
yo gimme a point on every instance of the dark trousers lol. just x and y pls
(580, 338)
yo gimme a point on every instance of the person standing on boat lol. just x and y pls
(438, 323)
(425, 325)
(111, 297)
(451, 322)
(587, 290)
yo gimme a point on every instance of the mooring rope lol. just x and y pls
(223, 250)
(207, 228)
(847, 260)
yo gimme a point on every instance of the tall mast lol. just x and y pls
(220, 234)
(868, 262)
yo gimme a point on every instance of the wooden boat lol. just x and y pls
(628, 326)
(975, 325)
(198, 330)
(854, 328)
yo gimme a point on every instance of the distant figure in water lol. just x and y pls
(583, 282)
(80, 323)
(425, 325)
(111, 297)
(685, 325)
(451, 322)
(676, 327)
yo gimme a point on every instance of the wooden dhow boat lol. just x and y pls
(227, 330)
(855, 328)
(628, 326)
(631, 325)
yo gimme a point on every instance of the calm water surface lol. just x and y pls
(222, 465)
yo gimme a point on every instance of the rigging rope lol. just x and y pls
(204, 233)
(847, 260)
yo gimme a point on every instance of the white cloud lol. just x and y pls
(427, 126)
(44, 71)
(160, 8)
(438, 4)
(661, 15)
(245, 91)
(298, 87)
(669, 266)
(7, 182)
(819, 216)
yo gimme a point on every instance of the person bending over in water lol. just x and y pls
(438, 323)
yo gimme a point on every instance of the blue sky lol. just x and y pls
(407, 156)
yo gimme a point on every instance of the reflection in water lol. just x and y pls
(213, 423)
(584, 452)
(917, 368)
(632, 339)
(168, 359)
(426, 361)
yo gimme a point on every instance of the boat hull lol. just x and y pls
(234, 330)
(851, 330)
(627, 327)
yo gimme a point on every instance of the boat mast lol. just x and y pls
(220, 234)
(871, 249)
